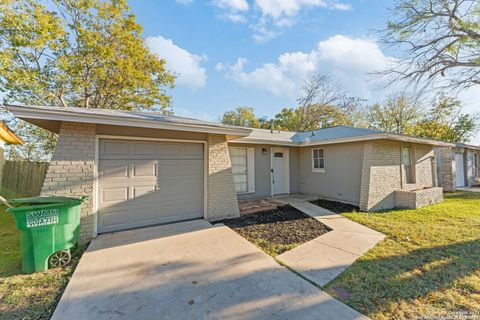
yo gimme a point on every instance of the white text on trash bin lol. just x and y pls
(42, 218)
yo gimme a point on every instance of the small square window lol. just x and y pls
(318, 160)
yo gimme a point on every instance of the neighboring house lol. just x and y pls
(458, 166)
(7, 136)
(143, 169)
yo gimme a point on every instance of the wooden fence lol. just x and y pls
(23, 178)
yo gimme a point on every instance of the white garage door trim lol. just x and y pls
(96, 162)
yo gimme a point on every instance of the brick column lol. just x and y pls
(380, 175)
(447, 169)
(71, 170)
(222, 198)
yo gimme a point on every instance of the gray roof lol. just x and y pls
(44, 116)
(467, 146)
(332, 133)
(152, 116)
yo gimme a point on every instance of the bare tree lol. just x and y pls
(323, 104)
(441, 39)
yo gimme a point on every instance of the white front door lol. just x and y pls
(460, 172)
(280, 171)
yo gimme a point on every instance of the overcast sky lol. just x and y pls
(230, 53)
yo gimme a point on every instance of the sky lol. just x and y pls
(258, 53)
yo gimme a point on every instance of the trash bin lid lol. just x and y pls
(44, 200)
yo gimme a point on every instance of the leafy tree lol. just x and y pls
(242, 117)
(86, 53)
(441, 40)
(398, 114)
(445, 121)
(405, 115)
(323, 104)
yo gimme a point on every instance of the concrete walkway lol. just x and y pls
(324, 258)
(189, 270)
(471, 189)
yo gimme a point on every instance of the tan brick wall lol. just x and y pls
(381, 173)
(222, 199)
(71, 170)
(418, 198)
(446, 172)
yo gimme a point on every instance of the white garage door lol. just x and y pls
(144, 183)
(459, 168)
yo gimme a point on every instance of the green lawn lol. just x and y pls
(26, 296)
(429, 263)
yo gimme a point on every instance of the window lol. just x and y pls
(318, 160)
(243, 167)
(407, 167)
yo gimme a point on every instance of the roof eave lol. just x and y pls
(247, 140)
(375, 136)
(436, 143)
(26, 113)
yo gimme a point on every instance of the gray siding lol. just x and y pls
(295, 170)
(343, 172)
(262, 171)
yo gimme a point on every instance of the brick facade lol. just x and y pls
(418, 198)
(222, 199)
(71, 170)
(446, 169)
(382, 174)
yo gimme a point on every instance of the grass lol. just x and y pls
(277, 231)
(24, 296)
(428, 265)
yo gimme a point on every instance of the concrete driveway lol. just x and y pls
(189, 270)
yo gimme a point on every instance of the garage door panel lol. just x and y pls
(110, 195)
(145, 168)
(113, 169)
(149, 183)
(180, 169)
(113, 220)
(113, 147)
(142, 191)
(143, 148)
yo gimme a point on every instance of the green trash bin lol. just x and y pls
(49, 227)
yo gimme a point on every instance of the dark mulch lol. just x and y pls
(335, 206)
(279, 230)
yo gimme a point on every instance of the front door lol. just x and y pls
(280, 171)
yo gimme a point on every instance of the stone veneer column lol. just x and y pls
(222, 198)
(447, 169)
(71, 170)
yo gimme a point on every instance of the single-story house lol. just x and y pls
(458, 166)
(144, 169)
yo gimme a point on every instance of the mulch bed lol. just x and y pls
(335, 206)
(279, 230)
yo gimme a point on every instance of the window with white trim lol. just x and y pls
(243, 169)
(318, 160)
